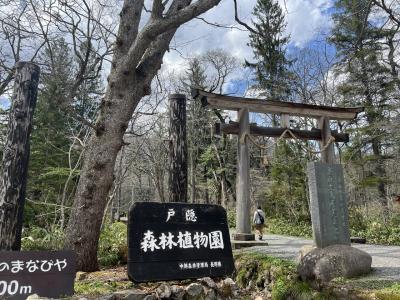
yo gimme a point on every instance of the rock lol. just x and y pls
(163, 291)
(150, 297)
(208, 282)
(304, 251)
(81, 276)
(178, 292)
(35, 297)
(194, 291)
(109, 297)
(131, 295)
(227, 288)
(210, 294)
(334, 261)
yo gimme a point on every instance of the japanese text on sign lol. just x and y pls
(190, 215)
(200, 265)
(33, 266)
(183, 240)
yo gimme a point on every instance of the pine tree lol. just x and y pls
(208, 161)
(367, 81)
(50, 143)
(54, 131)
(269, 47)
(197, 123)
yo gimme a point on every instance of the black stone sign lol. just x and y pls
(47, 274)
(169, 241)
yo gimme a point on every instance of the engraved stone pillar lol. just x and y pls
(328, 204)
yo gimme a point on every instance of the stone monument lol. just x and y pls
(328, 204)
(332, 255)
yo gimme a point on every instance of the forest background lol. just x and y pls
(335, 53)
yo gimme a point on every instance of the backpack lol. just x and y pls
(260, 220)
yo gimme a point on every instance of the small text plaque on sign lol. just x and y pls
(47, 274)
(169, 241)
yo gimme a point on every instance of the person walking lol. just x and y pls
(259, 220)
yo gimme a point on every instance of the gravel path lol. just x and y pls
(385, 259)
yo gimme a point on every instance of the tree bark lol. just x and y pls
(137, 58)
(16, 155)
(178, 149)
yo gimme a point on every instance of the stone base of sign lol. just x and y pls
(243, 236)
(333, 261)
(243, 244)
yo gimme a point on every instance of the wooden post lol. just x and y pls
(328, 155)
(16, 155)
(243, 226)
(285, 122)
(178, 149)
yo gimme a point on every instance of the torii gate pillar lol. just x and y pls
(243, 226)
(328, 155)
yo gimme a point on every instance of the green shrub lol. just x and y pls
(288, 227)
(372, 228)
(231, 215)
(375, 223)
(113, 244)
(38, 238)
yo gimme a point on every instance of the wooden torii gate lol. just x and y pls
(243, 128)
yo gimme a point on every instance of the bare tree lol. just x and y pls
(17, 40)
(137, 58)
(210, 71)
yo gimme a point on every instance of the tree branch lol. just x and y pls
(176, 16)
(249, 28)
(388, 10)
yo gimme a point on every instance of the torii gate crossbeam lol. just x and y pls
(243, 106)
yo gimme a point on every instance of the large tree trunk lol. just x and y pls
(137, 58)
(16, 155)
(97, 174)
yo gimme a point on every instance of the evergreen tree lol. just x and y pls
(367, 82)
(287, 194)
(52, 171)
(198, 118)
(269, 48)
(208, 159)
(50, 143)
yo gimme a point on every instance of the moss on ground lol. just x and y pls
(368, 288)
(96, 288)
(262, 274)
(102, 282)
(275, 276)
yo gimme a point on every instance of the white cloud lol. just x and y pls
(305, 20)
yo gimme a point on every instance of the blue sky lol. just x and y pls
(308, 23)
(4, 102)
